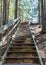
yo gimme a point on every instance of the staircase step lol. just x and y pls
(21, 51)
(23, 43)
(21, 57)
(25, 49)
(20, 64)
(21, 47)
(31, 61)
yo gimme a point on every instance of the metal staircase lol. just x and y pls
(22, 50)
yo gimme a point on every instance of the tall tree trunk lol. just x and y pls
(5, 11)
(40, 12)
(43, 17)
(44, 20)
(1, 12)
(16, 8)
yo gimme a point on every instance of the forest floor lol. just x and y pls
(36, 29)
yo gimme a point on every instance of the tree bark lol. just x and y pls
(1, 13)
(5, 11)
(43, 17)
(16, 8)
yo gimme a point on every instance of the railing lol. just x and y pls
(37, 50)
(40, 59)
(6, 33)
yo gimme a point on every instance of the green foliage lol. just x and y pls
(27, 8)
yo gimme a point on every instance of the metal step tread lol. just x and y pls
(21, 46)
(23, 43)
(21, 51)
(21, 58)
(20, 64)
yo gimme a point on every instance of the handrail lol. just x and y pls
(7, 26)
(33, 36)
(10, 32)
(37, 50)
(15, 26)
(3, 28)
